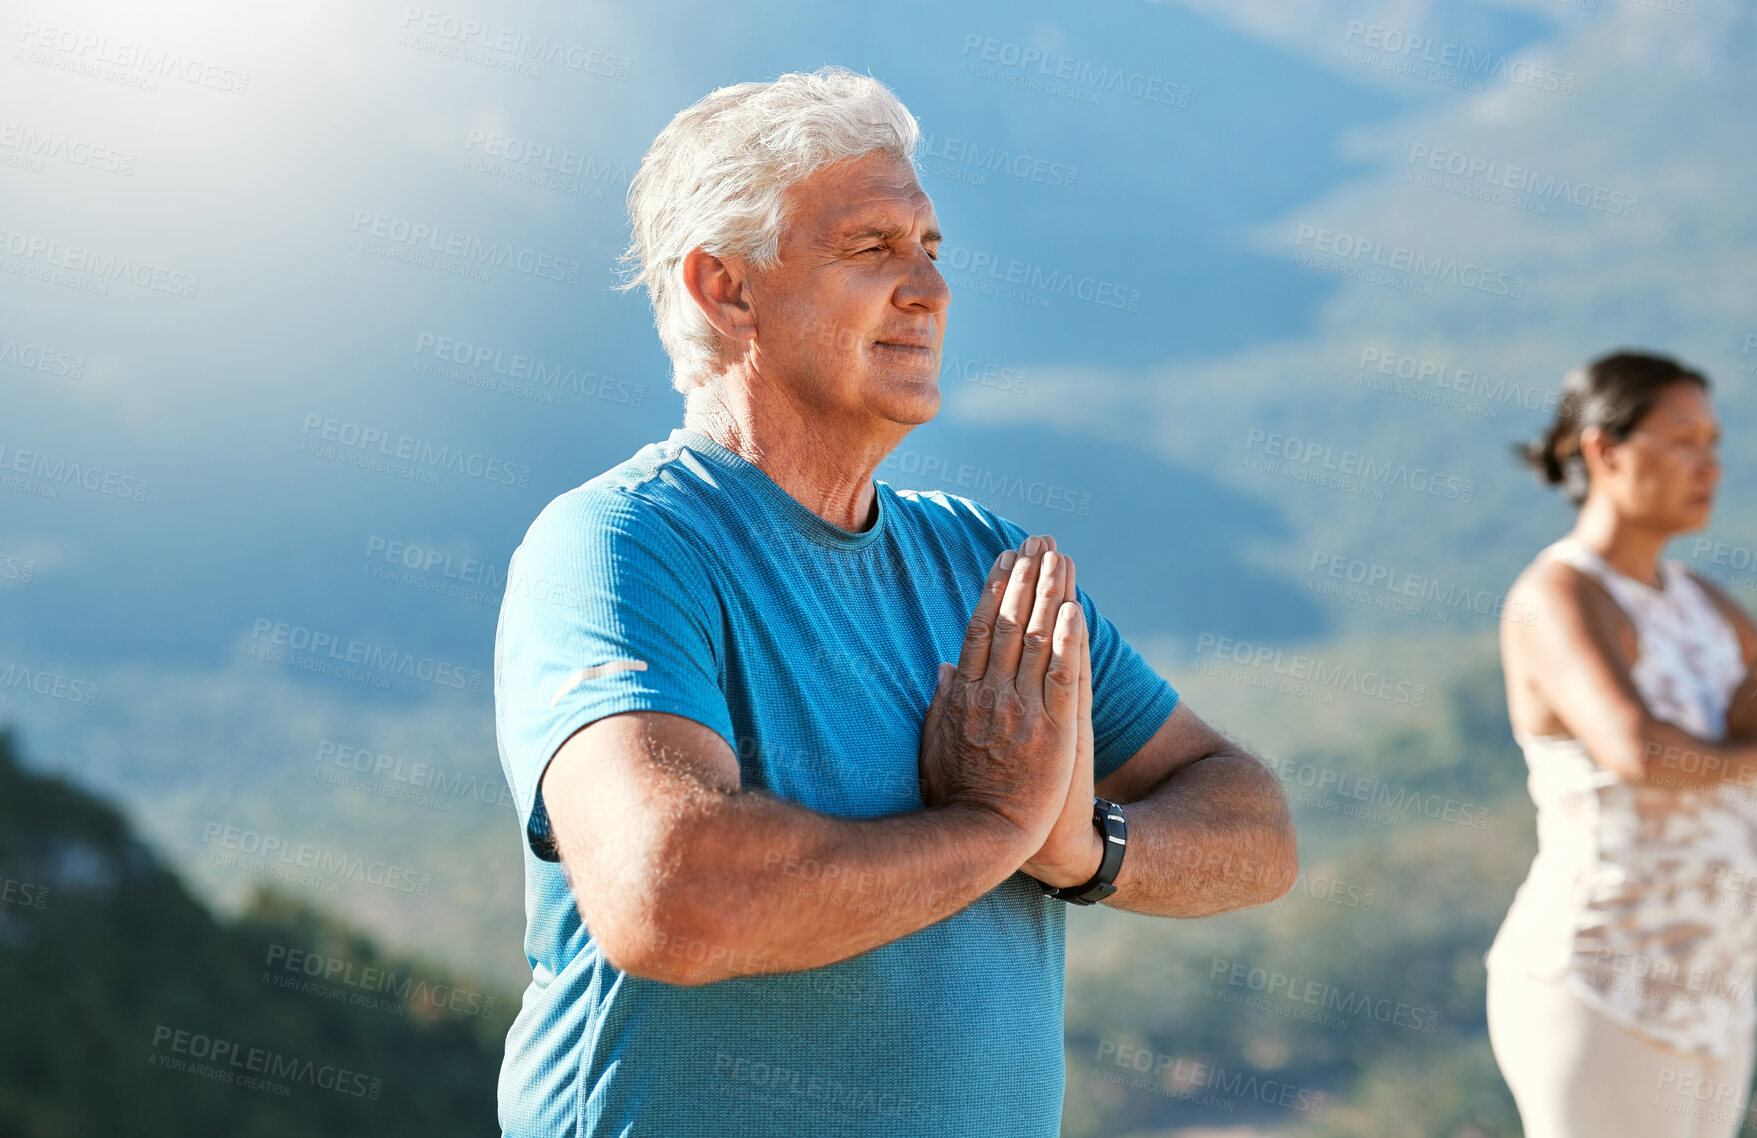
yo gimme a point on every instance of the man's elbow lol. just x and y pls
(1265, 875)
(650, 910)
(1275, 839)
(659, 939)
(1262, 823)
(1283, 872)
(1280, 845)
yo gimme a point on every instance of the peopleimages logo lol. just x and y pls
(228, 839)
(1186, 1078)
(41, 681)
(321, 973)
(104, 266)
(1399, 582)
(987, 484)
(966, 156)
(516, 44)
(231, 1062)
(74, 151)
(1522, 179)
(1107, 294)
(35, 357)
(465, 247)
(266, 632)
(1468, 384)
(1314, 669)
(147, 64)
(1397, 802)
(44, 475)
(1322, 994)
(771, 1081)
(1082, 75)
(518, 368)
(1412, 263)
(1357, 464)
(423, 559)
(544, 156)
(427, 776)
(1412, 47)
(354, 437)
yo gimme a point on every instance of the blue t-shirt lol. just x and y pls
(812, 651)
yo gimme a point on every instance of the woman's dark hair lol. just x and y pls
(1613, 393)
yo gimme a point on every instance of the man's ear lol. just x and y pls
(720, 289)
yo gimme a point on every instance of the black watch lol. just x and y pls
(1108, 817)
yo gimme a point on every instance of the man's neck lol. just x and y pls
(824, 464)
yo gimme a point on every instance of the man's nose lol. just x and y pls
(925, 286)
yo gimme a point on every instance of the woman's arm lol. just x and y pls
(1580, 653)
(1741, 713)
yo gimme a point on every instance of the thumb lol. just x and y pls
(941, 685)
(930, 722)
(1061, 682)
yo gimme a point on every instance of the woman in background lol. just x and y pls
(1620, 984)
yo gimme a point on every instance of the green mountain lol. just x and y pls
(127, 1008)
(1352, 1008)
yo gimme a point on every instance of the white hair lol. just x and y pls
(716, 175)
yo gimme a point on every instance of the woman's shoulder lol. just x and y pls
(1557, 569)
(1561, 584)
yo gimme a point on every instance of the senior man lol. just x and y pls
(788, 870)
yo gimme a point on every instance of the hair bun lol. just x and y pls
(1540, 456)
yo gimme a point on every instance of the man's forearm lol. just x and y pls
(756, 884)
(1215, 835)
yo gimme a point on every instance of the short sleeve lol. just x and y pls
(1130, 701)
(605, 611)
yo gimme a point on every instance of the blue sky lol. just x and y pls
(258, 194)
(311, 130)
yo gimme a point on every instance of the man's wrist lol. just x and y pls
(1062, 876)
(1001, 834)
(1088, 868)
(1111, 829)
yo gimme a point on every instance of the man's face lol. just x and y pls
(852, 319)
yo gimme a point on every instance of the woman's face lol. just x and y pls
(1665, 473)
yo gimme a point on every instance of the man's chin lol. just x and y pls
(908, 395)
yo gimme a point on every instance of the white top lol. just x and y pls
(1643, 898)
